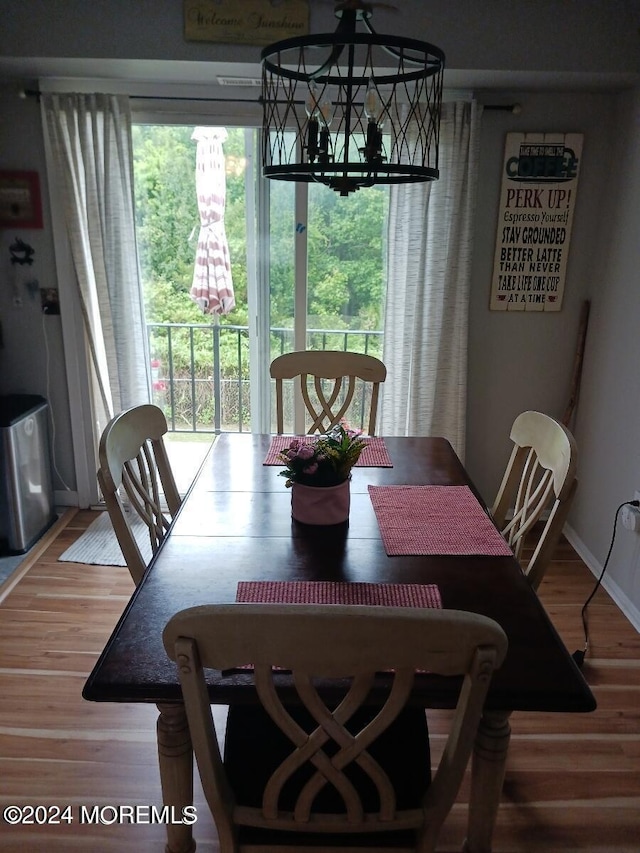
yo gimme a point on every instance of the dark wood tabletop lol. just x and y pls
(235, 525)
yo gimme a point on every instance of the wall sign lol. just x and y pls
(537, 200)
(245, 22)
(20, 203)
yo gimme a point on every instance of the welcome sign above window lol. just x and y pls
(539, 186)
(245, 21)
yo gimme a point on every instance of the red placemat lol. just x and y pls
(339, 592)
(374, 455)
(335, 592)
(434, 520)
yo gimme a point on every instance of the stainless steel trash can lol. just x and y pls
(26, 491)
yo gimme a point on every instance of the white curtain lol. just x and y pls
(90, 140)
(426, 310)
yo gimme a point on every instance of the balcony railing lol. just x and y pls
(200, 372)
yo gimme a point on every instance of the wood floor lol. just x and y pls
(573, 781)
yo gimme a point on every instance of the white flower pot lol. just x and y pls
(320, 505)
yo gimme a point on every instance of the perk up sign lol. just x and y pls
(539, 185)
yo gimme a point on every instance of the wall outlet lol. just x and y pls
(631, 518)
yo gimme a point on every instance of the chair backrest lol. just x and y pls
(344, 368)
(133, 457)
(540, 475)
(351, 644)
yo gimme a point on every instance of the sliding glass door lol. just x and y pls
(307, 269)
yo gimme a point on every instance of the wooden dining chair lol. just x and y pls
(134, 468)
(540, 476)
(345, 774)
(344, 368)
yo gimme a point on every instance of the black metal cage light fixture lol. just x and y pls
(336, 112)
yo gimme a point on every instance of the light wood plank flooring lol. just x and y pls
(573, 781)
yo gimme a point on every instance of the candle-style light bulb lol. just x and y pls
(311, 105)
(326, 111)
(372, 104)
(312, 109)
(373, 111)
(326, 117)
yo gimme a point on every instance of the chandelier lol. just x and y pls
(335, 112)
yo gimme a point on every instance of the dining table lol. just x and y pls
(234, 532)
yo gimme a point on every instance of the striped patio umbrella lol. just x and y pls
(212, 287)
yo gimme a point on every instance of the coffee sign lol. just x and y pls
(539, 185)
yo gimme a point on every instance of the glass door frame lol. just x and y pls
(300, 294)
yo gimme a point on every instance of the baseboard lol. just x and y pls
(621, 599)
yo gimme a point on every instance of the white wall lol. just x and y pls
(608, 427)
(514, 36)
(32, 361)
(524, 360)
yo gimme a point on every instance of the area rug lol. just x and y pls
(98, 545)
(8, 565)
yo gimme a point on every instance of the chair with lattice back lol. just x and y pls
(133, 460)
(540, 476)
(317, 769)
(315, 369)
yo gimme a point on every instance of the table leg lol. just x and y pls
(487, 776)
(175, 756)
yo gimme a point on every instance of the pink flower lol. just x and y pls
(324, 460)
(350, 431)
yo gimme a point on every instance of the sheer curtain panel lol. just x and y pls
(90, 140)
(426, 310)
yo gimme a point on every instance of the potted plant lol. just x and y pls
(318, 470)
